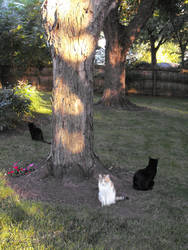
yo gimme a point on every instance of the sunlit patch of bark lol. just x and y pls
(74, 49)
(122, 80)
(69, 22)
(108, 95)
(115, 56)
(65, 101)
(76, 14)
(72, 142)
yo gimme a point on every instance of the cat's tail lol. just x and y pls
(122, 198)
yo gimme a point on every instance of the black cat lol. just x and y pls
(144, 178)
(36, 133)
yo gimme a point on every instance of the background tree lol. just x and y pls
(73, 28)
(121, 28)
(22, 42)
(158, 30)
(156, 33)
(179, 28)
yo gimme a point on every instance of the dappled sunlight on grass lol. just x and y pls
(165, 109)
(16, 229)
(16, 237)
(11, 234)
(163, 104)
(40, 102)
(5, 191)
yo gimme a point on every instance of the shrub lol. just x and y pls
(14, 106)
(22, 99)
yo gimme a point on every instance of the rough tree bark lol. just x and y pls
(72, 28)
(119, 39)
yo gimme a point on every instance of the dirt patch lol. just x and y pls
(75, 192)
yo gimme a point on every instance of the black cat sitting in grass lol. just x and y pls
(36, 133)
(143, 179)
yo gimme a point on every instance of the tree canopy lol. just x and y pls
(22, 41)
(168, 23)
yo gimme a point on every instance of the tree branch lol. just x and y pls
(144, 12)
(161, 41)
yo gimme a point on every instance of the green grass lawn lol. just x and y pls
(123, 139)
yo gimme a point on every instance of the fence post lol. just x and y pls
(154, 81)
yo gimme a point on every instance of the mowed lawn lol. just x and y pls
(123, 140)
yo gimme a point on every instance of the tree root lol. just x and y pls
(44, 169)
(122, 103)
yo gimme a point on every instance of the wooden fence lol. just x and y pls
(41, 79)
(169, 82)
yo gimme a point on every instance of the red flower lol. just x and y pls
(11, 172)
(21, 171)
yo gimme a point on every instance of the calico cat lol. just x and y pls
(107, 192)
(36, 133)
(143, 179)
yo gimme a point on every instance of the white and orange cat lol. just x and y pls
(107, 192)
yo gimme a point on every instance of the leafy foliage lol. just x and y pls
(179, 28)
(158, 29)
(10, 100)
(22, 91)
(127, 10)
(21, 102)
(38, 104)
(13, 106)
(20, 25)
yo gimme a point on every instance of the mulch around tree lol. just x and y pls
(75, 192)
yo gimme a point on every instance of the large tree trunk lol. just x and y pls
(114, 93)
(73, 28)
(119, 40)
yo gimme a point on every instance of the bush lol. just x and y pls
(13, 102)
(14, 106)
(22, 98)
